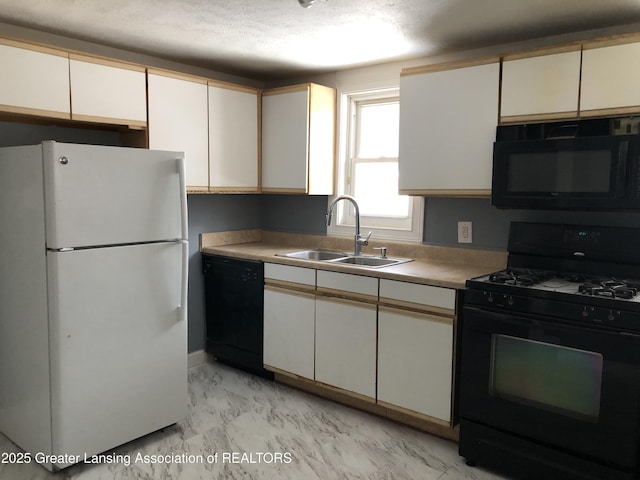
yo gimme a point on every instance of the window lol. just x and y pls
(368, 169)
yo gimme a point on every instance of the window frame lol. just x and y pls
(343, 224)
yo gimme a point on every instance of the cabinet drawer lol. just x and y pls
(334, 282)
(289, 274)
(399, 293)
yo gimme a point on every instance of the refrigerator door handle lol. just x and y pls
(183, 198)
(182, 308)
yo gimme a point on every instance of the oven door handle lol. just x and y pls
(488, 319)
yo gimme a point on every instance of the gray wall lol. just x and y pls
(212, 213)
(491, 226)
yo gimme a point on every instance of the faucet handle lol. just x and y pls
(383, 251)
(364, 241)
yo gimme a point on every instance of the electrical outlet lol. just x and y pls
(464, 232)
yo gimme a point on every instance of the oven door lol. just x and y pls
(571, 388)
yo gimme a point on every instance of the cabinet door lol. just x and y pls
(285, 136)
(346, 345)
(233, 139)
(447, 128)
(178, 121)
(540, 87)
(415, 359)
(108, 92)
(610, 78)
(289, 318)
(34, 82)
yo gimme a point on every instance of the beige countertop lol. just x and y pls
(439, 266)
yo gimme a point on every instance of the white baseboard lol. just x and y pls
(197, 358)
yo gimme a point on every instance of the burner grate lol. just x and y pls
(611, 288)
(523, 277)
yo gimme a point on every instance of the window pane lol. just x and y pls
(378, 133)
(376, 190)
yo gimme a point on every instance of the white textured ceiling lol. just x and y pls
(271, 39)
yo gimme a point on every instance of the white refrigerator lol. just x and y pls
(93, 296)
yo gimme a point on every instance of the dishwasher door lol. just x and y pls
(234, 300)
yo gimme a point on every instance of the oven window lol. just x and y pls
(560, 172)
(552, 377)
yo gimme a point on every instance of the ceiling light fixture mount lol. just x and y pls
(306, 3)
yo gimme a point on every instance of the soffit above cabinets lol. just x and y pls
(279, 39)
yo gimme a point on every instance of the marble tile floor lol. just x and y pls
(263, 430)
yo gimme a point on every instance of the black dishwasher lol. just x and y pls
(234, 300)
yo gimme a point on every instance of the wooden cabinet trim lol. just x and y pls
(133, 124)
(611, 41)
(348, 298)
(234, 189)
(570, 47)
(422, 416)
(107, 62)
(281, 286)
(177, 75)
(303, 87)
(233, 86)
(35, 112)
(479, 193)
(441, 67)
(293, 191)
(33, 47)
(433, 314)
(197, 189)
(606, 112)
(538, 117)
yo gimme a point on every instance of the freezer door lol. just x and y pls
(118, 345)
(97, 195)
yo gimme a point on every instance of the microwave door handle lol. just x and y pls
(623, 160)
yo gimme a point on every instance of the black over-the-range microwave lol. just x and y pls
(589, 164)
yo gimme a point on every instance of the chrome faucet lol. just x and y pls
(359, 241)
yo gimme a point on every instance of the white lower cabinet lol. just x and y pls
(383, 341)
(346, 345)
(415, 362)
(289, 332)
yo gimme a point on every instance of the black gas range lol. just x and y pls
(550, 356)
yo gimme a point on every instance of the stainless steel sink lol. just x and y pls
(344, 258)
(318, 255)
(372, 262)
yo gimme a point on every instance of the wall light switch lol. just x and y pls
(464, 232)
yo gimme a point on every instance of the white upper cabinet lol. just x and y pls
(108, 92)
(540, 86)
(34, 80)
(448, 118)
(298, 139)
(178, 121)
(233, 138)
(610, 79)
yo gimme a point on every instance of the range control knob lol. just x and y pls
(510, 300)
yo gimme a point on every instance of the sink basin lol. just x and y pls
(373, 262)
(318, 255)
